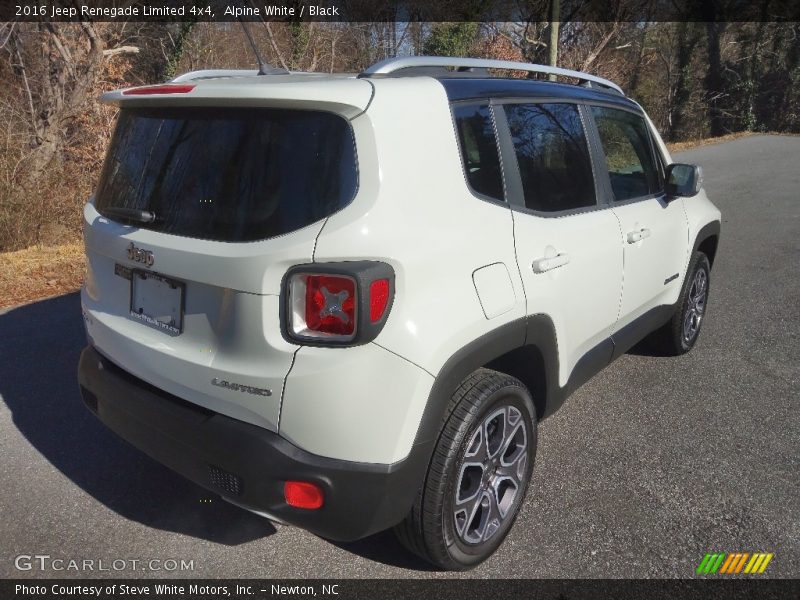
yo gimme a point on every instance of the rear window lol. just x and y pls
(233, 175)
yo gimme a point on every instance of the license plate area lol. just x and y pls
(157, 301)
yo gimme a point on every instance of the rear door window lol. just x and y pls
(553, 156)
(226, 174)
(476, 137)
(632, 168)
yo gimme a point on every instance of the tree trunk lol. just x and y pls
(686, 41)
(713, 80)
(642, 42)
(555, 16)
(787, 119)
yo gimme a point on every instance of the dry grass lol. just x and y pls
(40, 272)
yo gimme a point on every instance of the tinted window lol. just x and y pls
(553, 156)
(479, 149)
(229, 174)
(629, 155)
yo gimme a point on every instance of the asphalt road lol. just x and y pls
(649, 466)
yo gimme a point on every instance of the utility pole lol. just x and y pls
(555, 17)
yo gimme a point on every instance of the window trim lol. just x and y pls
(515, 194)
(610, 198)
(503, 179)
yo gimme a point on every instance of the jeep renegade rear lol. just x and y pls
(344, 302)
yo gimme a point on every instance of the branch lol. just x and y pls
(62, 50)
(10, 32)
(275, 46)
(21, 64)
(95, 43)
(599, 48)
(83, 81)
(121, 50)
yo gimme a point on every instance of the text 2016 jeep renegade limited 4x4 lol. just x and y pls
(344, 302)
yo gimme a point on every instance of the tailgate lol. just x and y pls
(227, 354)
(200, 211)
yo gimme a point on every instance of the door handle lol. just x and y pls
(540, 265)
(638, 236)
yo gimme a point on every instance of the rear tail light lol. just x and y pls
(302, 494)
(337, 303)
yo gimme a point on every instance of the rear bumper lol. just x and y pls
(247, 464)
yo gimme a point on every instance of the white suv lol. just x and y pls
(344, 302)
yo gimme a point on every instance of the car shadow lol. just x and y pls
(40, 344)
(645, 348)
(385, 548)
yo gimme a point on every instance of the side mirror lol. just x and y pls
(683, 180)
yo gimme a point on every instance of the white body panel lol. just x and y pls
(655, 241)
(250, 352)
(699, 212)
(420, 217)
(495, 290)
(580, 292)
(362, 404)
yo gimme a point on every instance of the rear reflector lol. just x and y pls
(159, 89)
(378, 298)
(302, 494)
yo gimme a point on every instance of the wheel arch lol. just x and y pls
(525, 348)
(707, 241)
(526, 363)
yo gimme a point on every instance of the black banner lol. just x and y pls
(398, 10)
(429, 589)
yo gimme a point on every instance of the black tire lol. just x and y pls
(678, 336)
(438, 529)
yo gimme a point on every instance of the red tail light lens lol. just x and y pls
(378, 298)
(331, 304)
(323, 306)
(159, 89)
(302, 494)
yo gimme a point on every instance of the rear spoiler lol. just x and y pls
(348, 97)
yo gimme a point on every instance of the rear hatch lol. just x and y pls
(200, 210)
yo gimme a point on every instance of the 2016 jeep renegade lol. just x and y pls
(344, 302)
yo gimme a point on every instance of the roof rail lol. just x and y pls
(392, 65)
(212, 73)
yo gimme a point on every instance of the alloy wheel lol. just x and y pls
(492, 475)
(696, 307)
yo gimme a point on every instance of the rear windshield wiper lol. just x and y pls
(130, 214)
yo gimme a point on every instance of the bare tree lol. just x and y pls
(56, 66)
